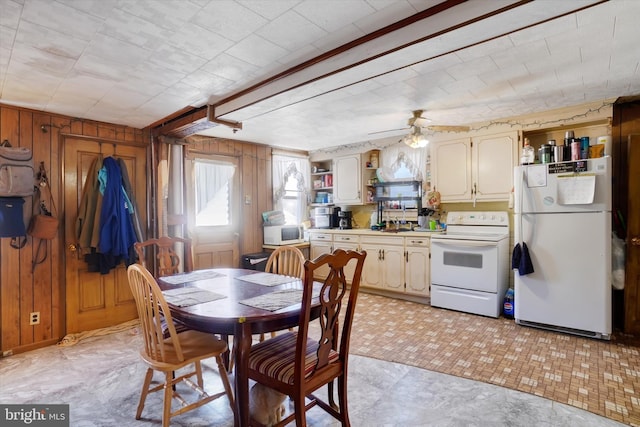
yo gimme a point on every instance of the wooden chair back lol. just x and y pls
(286, 260)
(299, 363)
(333, 335)
(155, 318)
(168, 251)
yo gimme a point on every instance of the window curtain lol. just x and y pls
(211, 180)
(414, 159)
(299, 168)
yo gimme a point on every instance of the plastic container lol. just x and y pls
(528, 154)
(508, 306)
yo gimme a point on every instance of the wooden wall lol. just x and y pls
(22, 290)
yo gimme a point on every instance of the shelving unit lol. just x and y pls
(321, 183)
(399, 199)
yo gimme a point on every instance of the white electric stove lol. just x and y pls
(470, 263)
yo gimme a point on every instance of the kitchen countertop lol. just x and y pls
(369, 232)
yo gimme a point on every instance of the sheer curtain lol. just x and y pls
(284, 168)
(414, 159)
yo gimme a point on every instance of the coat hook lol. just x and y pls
(43, 128)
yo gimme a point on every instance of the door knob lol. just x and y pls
(72, 247)
(635, 241)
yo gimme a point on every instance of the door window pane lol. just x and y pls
(214, 193)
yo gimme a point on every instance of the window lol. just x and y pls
(214, 196)
(290, 184)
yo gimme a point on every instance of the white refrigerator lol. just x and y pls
(563, 215)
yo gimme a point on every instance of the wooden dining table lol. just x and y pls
(230, 314)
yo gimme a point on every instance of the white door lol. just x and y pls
(494, 157)
(417, 270)
(393, 267)
(571, 256)
(372, 268)
(465, 264)
(451, 169)
(347, 180)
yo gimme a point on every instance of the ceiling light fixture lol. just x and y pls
(415, 138)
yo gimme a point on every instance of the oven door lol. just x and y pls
(465, 264)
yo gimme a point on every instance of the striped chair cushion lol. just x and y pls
(275, 357)
(165, 329)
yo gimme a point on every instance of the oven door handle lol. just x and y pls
(464, 243)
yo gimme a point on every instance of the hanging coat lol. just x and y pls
(117, 234)
(88, 221)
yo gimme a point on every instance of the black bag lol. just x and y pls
(16, 172)
(11, 218)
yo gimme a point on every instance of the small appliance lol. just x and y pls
(283, 234)
(323, 217)
(345, 220)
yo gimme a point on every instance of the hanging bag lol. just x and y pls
(16, 171)
(43, 224)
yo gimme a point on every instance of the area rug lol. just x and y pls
(599, 376)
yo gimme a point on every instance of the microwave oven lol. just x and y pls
(283, 234)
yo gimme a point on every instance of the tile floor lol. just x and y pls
(100, 377)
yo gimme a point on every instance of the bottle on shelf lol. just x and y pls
(528, 154)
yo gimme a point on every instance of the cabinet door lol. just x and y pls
(451, 169)
(393, 268)
(348, 243)
(347, 180)
(417, 270)
(372, 268)
(494, 157)
(319, 244)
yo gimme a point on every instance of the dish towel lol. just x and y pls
(521, 260)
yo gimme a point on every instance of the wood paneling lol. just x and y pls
(626, 122)
(22, 290)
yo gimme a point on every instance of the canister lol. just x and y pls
(584, 147)
(558, 153)
(575, 149)
(545, 153)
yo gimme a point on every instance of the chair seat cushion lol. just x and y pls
(275, 357)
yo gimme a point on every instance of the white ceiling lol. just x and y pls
(136, 62)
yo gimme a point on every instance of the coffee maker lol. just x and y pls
(345, 220)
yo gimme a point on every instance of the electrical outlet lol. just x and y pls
(34, 318)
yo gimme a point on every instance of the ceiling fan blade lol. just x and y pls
(388, 130)
(444, 128)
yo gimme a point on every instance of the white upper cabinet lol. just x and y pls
(478, 168)
(347, 180)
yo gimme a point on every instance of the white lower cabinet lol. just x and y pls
(319, 244)
(417, 271)
(347, 242)
(384, 265)
(394, 263)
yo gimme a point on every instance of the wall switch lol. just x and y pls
(34, 318)
(247, 199)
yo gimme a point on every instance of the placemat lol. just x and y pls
(192, 276)
(184, 297)
(277, 300)
(268, 279)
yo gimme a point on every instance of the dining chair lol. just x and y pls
(168, 355)
(167, 255)
(288, 261)
(298, 363)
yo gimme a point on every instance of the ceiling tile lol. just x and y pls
(229, 19)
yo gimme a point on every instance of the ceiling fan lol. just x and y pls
(417, 124)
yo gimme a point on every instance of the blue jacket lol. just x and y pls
(117, 234)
